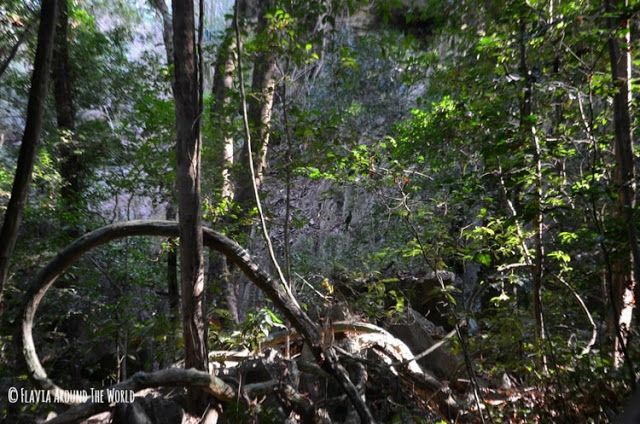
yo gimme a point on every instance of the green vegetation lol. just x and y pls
(471, 163)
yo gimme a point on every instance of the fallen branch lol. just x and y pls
(429, 350)
(194, 378)
(360, 330)
(368, 336)
(438, 394)
(168, 377)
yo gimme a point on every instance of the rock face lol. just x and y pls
(417, 333)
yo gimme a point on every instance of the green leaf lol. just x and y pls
(483, 258)
(560, 256)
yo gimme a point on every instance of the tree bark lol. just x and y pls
(626, 265)
(172, 273)
(221, 113)
(225, 67)
(260, 109)
(14, 50)
(30, 138)
(188, 186)
(71, 167)
(167, 28)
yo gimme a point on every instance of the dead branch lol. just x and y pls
(168, 377)
(401, 361)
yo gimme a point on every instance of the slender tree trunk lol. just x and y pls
(167, 28)
(626, 262)
(260, 108)
(528, 132)
(71, 168)
(222, 117)
(30, 138)
(172, 258)
(188, 184)
(14, 49)
(225, 67)
(172, 273)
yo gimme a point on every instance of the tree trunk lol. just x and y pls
(260, 108)
(14, 49)
(30, 138)
(172, 259)
(221, 112)
(626, 262)
(188, 186)
(172, 285)
(222, 118)
(528, 130)
(71, 168)
(259, 115)
(167, 28)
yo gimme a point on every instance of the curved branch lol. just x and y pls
(326, 357)
(234, 252)
(594, 327)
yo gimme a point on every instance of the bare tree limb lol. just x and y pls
(167, 377)
(45, 279)
(14, 50)
(326, 356)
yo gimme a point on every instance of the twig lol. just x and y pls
(594, 332)
(428, 351)
(311, 287)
